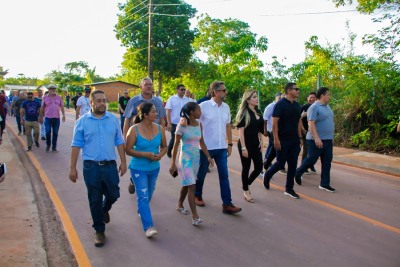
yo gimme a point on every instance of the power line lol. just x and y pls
(308, 13)
(169, 15)
(133, 22)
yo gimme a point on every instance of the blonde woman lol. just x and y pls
(250, 124)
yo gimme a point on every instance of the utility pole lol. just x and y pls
(150, 66)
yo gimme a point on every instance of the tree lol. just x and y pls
(387, 41)
(171, 38)
(233, 48)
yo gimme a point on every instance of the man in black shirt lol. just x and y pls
(75, 99)
(122, 101)
(286, 127)
(310, 100)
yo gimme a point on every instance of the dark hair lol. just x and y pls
(288, 86)
(187, 109)
(94, 92)
(142, 109)
(321, 91)
(29, 93)
(214, 86)
(312, 93)
(179, 86)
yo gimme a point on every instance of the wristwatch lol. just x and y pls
(243, 148)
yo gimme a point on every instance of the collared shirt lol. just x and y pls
(268, 115)
(133, 103)
(97, 137)
(322, 115)
(214, 119)
(52, 105)
(175, 104)
(84, 103)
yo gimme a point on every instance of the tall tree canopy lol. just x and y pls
(171, 39)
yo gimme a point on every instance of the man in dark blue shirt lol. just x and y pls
(29, 114)
(286, 127)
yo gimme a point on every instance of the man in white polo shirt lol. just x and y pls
(173, 110)
(216, 126)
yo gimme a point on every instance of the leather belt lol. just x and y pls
(102, 162)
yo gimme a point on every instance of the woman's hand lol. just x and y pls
(211, 161)
(172, 169)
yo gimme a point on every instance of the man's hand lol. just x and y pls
(318, 143)
(73, 175)
(229, 150)
(63, 118)
(122, 168)
(277, 143)
(40, 120)
(169, 127)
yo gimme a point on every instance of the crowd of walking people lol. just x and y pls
(201, 137)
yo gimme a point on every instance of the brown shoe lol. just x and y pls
(199, 201)
(99, 239)
(230, 209)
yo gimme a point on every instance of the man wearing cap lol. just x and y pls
(50, 110)
(83, 104)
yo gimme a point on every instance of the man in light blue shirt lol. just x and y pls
(97, 133)
(319, 139)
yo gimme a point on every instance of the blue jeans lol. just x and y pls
(100, 181)
(122, 118)
(289, 153)
(145, 183)
(172, 140)
(52, 124)
(220, 157)
(326, 154)
(18, 119)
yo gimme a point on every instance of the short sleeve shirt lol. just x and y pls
(84, 103)
(32, 109)
(52, 105)
(214, 119)
(304, 119)
(268, 115)
(133, 103)
(175, 104)
(255, 126)
(322, 115)
(289, 115)
(123, 101)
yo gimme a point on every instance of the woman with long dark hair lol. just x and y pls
(146, 143)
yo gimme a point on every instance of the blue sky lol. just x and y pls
(42, 35)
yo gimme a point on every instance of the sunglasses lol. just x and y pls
(224, 90)
(182, 89)
(297, 89)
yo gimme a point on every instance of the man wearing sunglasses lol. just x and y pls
(286, 128)
(30, 119)
(83, 104)
(173, 110)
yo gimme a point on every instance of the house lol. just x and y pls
(113, 89)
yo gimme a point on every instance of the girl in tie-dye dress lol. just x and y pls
(189, 137)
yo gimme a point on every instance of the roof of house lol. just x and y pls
(94, 84)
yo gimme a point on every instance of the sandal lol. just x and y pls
(197, 221)
(183, 211)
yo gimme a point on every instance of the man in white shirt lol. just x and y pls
(83, 104)
(173, 110)
(216, 126)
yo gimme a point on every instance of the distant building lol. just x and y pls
(113, 89)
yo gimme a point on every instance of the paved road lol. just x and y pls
(359, 225)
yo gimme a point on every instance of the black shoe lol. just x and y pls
(54, 149)
(312, 170)
(291, 193)
(169, 155)
(19, 133)
(29, 148)
(99, 239)
(47, 148)
(106, 217)
(43, 138)
(327, 188)
(298, 180)
(37, 144)
(266, 181)
(307, 173)
(131, 188)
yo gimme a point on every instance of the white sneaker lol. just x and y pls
(150, 232)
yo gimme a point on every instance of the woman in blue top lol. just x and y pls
(146, 143)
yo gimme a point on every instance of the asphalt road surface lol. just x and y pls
(359, 225)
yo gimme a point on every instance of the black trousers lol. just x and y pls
(254, 155)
